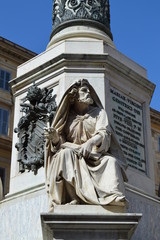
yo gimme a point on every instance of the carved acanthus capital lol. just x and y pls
(81, 12)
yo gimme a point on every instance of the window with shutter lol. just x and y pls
(5, 77)
(4, 114)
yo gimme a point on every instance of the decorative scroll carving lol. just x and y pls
(96, 10)
(39, 108)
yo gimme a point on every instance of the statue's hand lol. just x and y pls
(51, 134)
(86, 149)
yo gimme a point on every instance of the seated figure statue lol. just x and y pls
(84, 162)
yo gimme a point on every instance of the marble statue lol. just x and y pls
(84, 162)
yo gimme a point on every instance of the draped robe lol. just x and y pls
(97, 180)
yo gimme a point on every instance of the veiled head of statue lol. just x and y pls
(82, 91)
(68, 100)
(83, 94)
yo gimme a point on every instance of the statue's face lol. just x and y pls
(84, 95)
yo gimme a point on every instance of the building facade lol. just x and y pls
(11, 56)
(155, 128)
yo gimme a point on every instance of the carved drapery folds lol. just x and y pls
(38, 108)
(84, 161)
(81, 12)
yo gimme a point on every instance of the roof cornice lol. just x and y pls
(15, 50)
(155, 116)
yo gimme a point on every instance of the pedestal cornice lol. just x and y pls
(65, 61)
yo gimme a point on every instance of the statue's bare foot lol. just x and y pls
(73, 202)
(51, 209)
(120, 201)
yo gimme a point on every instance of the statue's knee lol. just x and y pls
(63, 155)
(67, 151)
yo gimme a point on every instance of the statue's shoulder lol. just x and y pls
(95, 110)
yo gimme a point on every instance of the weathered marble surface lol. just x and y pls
(88, 222)
(148, 227)
(20, 216)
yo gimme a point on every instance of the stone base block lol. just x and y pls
(88, 222)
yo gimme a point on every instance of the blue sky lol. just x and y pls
(135, 26)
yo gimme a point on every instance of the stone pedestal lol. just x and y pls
(88, 222)
(121, 84)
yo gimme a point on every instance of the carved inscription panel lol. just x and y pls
(128, 124)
